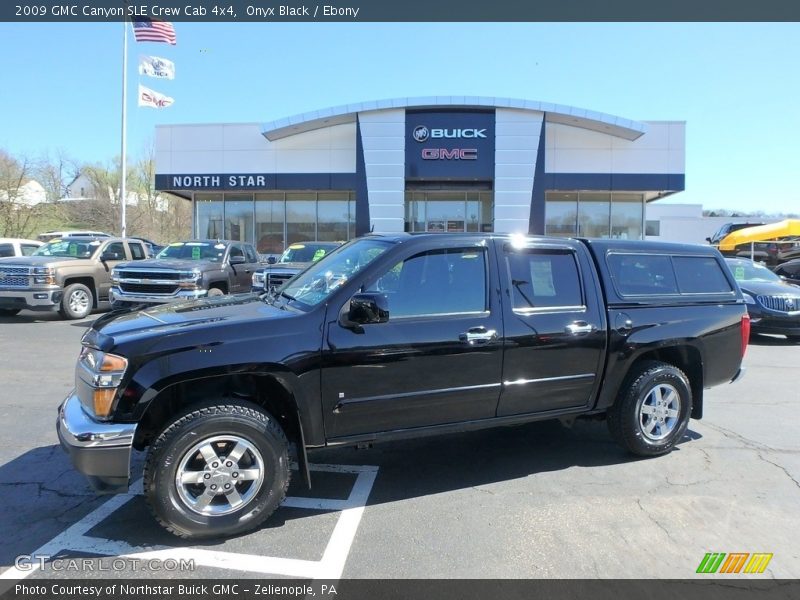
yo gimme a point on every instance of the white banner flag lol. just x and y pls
(148, 97)
(154, 66)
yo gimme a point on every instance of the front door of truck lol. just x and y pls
(555, 328)
(437, 360)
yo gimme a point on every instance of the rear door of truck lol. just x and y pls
(555, 327)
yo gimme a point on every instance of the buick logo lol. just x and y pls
(421, 133)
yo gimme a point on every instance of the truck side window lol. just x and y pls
(236, 250)
(137, 252)
(117, 249)
(544, 279)
(642, 274)
(700, 275)
(250, 252)
(6, 250)
(438, 282)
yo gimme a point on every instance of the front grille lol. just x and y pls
(14, 281)
(780, 303)
(275, 280)
(9, 270)
(164, 275)
(148, 288)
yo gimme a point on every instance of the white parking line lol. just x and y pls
(330, 567)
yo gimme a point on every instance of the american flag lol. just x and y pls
(152, 30)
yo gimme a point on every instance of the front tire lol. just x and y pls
(653, 409)
(9, 312)
(77, 302)
(217, 471)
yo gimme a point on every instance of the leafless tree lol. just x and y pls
(17, 218)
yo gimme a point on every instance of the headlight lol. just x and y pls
(44, 275)
(258, 279)
(190, 281)
(748, 299)
(106, 371)
(114, 276)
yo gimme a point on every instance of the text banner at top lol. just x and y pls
(400, 11)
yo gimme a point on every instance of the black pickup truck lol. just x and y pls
(396, 336)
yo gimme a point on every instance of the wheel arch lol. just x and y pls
(265, 389)
(685, 357)
(85, 280)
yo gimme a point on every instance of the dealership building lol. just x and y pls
(436, 164)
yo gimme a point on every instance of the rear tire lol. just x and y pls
(214, 292)
(9, 312)
(195, 492)
(652, 410)
(77, 302)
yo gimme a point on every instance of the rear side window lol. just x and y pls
(137, 251)
(6, 250)
(642, 274)
(544, 279)
(700, 275)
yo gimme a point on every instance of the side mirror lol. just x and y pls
(708, 240)
(367, 308)
(106, 256)
(237, 260)
(272, 260)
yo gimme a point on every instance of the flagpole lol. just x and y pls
(123, 158)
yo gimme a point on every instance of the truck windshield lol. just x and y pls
(319, 280)
(307, 252)
(69, 248)
(194, 251)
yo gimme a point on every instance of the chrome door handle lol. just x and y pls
(579, 328)
(478, 335)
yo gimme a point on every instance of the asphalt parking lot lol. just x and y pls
(534, 501)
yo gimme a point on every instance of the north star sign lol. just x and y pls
(245, 181)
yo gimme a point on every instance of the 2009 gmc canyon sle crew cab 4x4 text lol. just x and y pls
(394, 336)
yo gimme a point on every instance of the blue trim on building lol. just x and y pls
(536, 220)
(615, 182)
(360, 185)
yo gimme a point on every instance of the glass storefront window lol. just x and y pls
(332, 217)
(626, 216)
(209, 216)
(270, 217)
(239, 217)
(594, 214)
(561, 213)
(449, 212)
(301, 217)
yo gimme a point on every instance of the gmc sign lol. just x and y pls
(450, 154)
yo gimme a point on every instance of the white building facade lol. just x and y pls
(438, 164)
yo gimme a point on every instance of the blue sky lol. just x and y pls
(736, 85)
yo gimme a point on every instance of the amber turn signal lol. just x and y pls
(112, 362)
(103, 399)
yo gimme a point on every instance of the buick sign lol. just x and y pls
(444, 145)
(421, 133)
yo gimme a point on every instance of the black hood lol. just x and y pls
(769, 288)
(112, 328)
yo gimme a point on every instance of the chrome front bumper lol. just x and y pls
(31, 299)
(100, 451)
(115, 295)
